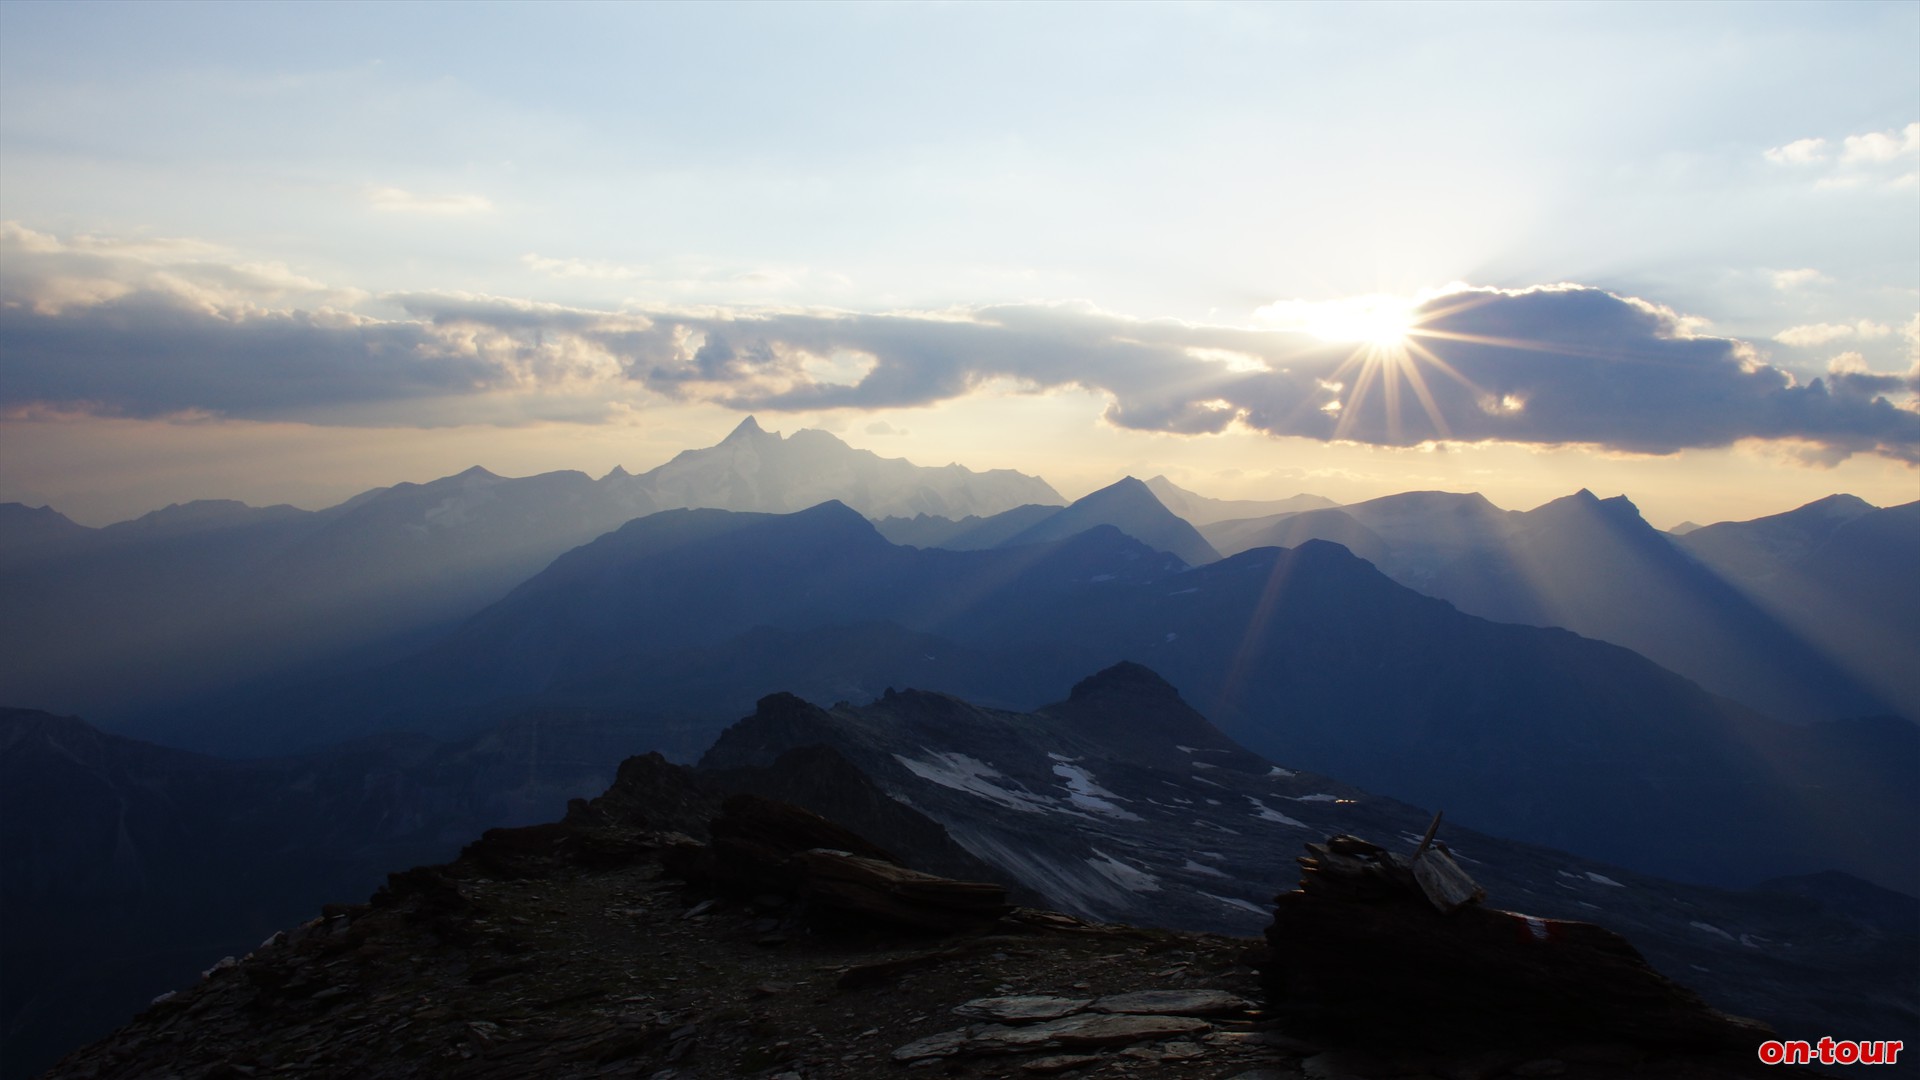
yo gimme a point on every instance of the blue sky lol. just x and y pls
(1752, 172)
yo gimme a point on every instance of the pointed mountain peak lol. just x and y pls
(745, 430)
(1135, 714)
(1621, 505)
(476, 473)
(618, 472)
(1125, 677)
(1839, 506)
(1135, 510)
(1126, 491)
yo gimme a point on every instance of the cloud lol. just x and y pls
(399, 200)
(594, 269)
(1878, 146)
(1815, 334)
(1552, 365)
(1883, 159)
(1793, 279)
(1799, 152)
(1849, 371)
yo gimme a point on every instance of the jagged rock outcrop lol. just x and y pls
(1365, 949)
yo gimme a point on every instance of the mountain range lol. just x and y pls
(1127, 505)
(1596, 567)
(196, 601)
(1839, 573)
(1307, 655)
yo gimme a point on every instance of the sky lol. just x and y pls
(288, 252)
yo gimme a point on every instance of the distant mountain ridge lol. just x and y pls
(1595, 567)
(756, 470)
(1842, 574)
(205, 598)
(1127, 505)
(1201, 510)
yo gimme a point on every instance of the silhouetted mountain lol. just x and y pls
(1288, 530)
(28, 530)
(971, 533)
(757, 470)
(1842, 575)
(199, 516)
(1593, 566)
(187, 606)
(1308, 655)
(1127, 505)
(1199, 510)
(1759, 550)
(207, 596)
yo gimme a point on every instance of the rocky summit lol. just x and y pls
(617, 943)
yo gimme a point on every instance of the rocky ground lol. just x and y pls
(570, 966)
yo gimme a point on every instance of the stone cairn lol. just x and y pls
(1386, 949)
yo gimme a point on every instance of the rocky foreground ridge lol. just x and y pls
(672, 930)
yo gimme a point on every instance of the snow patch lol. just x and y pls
(1318, 796)
(1125, 875)
(975, 777)
(1196, 868)
(1710, 929)
(1231, 902)
(1602, 879)
(1280, 772)
(1088, 795)
(1268, 813)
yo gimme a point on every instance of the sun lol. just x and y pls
(1376, 319)
(1362, 320)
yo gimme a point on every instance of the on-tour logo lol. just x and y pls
(1830, 1051)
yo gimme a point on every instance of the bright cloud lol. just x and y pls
(399, 200)
(1871, 159)
(1799, 152)
(1879, 146)
(1793, 279)
(1815, 334)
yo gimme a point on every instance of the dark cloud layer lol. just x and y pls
(1546, 366)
